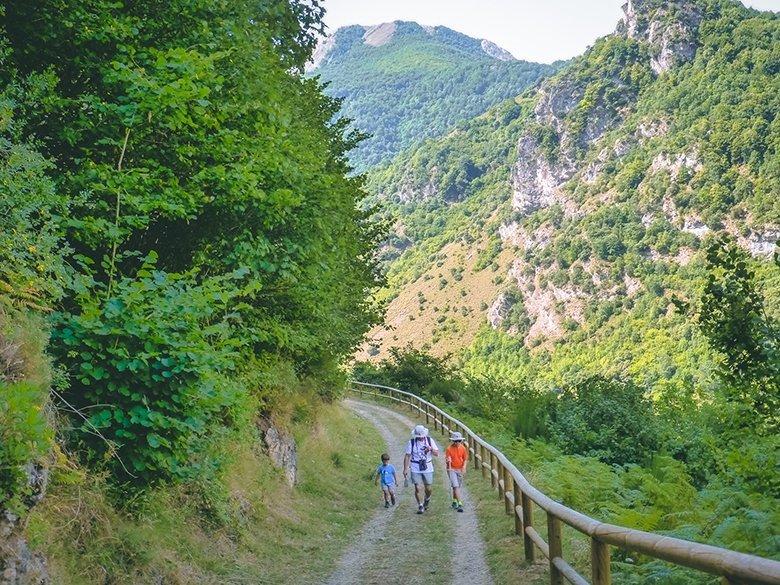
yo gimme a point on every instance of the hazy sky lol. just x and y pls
(536, 30)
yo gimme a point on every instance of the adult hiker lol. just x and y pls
(420, 451)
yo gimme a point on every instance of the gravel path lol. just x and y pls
(397, 546)
(373, 533)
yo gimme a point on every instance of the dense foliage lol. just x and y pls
(611, 420)
(179, 194)
(417, 84)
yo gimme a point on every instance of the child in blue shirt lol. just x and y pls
(386, 473)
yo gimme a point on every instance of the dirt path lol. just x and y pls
(397, 545)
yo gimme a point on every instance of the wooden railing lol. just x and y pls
(519, 495)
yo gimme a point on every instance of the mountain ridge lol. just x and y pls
(402, 82)
(380, 34)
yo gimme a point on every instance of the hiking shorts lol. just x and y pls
(388, 487)
(422, 478)
(456, 478)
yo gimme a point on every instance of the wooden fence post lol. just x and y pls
(500, 485)
(482, 463)
(493, 481)
(476, 452)
(508, 489)
(427, 416)
(556, 548)
(528, 521)
(599, 563)
(518, 502)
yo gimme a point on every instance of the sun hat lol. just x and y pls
(420, 431)
(456, 436)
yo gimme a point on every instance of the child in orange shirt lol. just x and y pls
(456, 456)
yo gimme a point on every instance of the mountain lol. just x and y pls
(403, 82)
(547, 237)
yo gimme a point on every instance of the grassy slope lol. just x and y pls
(268, 533)
(437, 311)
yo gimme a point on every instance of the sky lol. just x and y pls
(535, 30)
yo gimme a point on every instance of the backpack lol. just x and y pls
(422, 464)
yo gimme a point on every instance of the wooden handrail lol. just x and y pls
(734, 567)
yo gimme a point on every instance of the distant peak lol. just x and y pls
(379, 34)
(497, 52)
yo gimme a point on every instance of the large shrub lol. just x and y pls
(150, 369)
(414, 371)
(609, 419)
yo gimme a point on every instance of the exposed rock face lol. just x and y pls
(499, 310)
(18, 564)
(653, 128)
(515, 235)
(763, 243)
(281, 449)
(380, 34)
(497, 52)
(675, 163)
(410, 192)
(695, 226)
(321, 53)
(669, 28)
(536, 181)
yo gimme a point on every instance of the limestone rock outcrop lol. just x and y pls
(281, 448)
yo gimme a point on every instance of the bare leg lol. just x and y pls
(418, 489)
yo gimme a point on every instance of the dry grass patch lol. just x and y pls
(442, 310)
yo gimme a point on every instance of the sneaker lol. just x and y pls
(460, 508)
(426, 503)
(454, 504)
(387, 504)
(420, 509)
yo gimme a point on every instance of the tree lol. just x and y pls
(732, 316)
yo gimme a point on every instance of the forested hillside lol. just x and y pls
(604, 244)
(576, 211)
(403, 82)
(181, 249)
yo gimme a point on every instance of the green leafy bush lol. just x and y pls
(611, 420)
(25, 436)
(150, 369)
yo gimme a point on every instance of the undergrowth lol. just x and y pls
(247, 525)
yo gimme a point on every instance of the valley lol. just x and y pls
(221, 222)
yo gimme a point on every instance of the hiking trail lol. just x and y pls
(397, 545)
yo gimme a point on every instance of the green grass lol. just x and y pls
(251, 528)
(504, 549)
